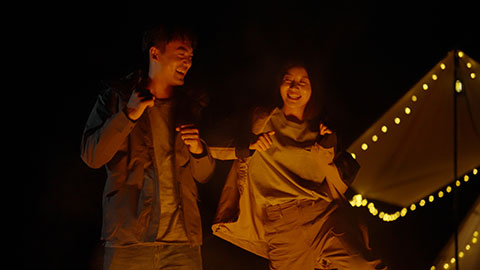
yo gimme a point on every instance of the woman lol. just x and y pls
(283, 199)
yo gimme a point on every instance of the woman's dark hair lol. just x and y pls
(315, 107)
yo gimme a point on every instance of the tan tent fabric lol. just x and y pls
(468, 245)
(414, 157)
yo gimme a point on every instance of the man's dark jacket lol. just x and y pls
(130, 202)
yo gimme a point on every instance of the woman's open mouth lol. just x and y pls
(294, 96)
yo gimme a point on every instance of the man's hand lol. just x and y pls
(191, 138)
(264, 141)
(138, 102)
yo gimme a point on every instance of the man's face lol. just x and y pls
(295, 88)
(175, 61)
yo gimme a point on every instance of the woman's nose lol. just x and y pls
(294, 84)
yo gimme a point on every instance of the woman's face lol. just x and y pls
(295, 88)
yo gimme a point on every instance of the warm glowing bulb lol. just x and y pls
(440, 194)
(452, 260)
(433, 267)
(364, 147)
(425, 86)
(466, 178)
(413, 207)
(458, 183)
(446, 266)
(434, 77)
(467, 247)
(414, 98)
(458, 86)
(448, 189)
(374, 138)
(422, 203)
(475, 233)
(364, 202)
(474, 240)
(473, 75)
(408, 110)
(461, 254)
(353, 155)
(384, 129)
(475, 171)
(460, 54)
(443, 66)
(431, 198)
(469, 65)
(397, 120)
(403, 212)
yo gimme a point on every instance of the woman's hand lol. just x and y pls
(264, 141)
(324, 130)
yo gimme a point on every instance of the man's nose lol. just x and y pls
(187, 61)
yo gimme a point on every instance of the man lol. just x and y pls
(142, 129)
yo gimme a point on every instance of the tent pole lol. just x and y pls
(455, 142)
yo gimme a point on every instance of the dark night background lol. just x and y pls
(374, 54)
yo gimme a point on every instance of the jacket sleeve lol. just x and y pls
(203, 167)
(339, 166)
(347, 166)
(106, 129)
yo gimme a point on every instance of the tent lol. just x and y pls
(424, 146)
(408, 154)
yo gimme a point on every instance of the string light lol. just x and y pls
(407, 110)
(359, 201)
(461, 254)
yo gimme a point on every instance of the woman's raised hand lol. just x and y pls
(263, 142)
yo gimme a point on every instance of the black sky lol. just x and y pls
(374, 54)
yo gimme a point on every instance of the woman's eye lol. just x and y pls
(303, 83)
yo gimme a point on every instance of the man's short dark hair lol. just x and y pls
(159, 35)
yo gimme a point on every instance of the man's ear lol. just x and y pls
(154, 53)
